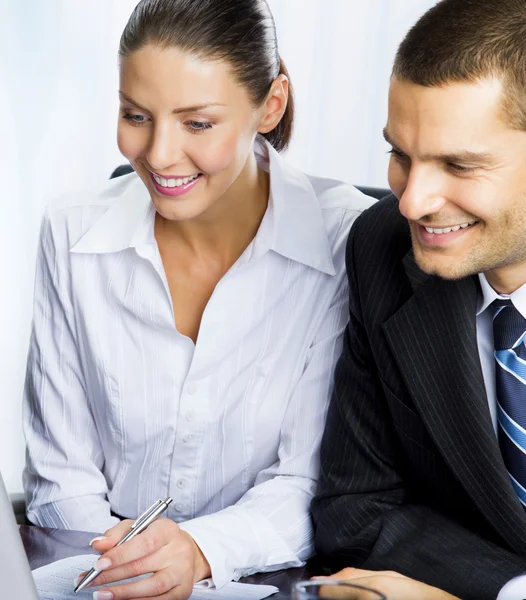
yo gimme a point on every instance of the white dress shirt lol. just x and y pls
(121, 409)
(485, 336)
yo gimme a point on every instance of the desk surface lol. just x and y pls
(44, 546)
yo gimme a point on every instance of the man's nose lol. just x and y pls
(423, 195)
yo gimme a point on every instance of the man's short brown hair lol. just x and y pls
(468, 40)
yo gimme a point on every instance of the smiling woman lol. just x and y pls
(188, 316)
(203, 128)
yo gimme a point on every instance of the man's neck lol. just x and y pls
(507, 280)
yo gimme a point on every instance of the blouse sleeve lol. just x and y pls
(63, 481)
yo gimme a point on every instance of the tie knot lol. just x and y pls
(509, 326)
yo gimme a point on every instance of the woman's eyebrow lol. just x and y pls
(184, 109)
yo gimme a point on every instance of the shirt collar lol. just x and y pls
(518, 297)
(127, 223)
(292, 226)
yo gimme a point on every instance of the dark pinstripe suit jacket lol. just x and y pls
(412, 477)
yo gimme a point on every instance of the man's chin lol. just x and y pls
(445, 267)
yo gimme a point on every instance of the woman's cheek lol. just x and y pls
(130, 145)
(216, 160)
(227, 153)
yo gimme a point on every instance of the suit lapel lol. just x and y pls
(433, 338)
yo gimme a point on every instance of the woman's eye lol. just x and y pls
(199, 125)
(135, 119)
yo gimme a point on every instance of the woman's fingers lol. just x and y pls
(164, 584)
(149, 564)
(151, 540)
(163, 552)
(111, 537)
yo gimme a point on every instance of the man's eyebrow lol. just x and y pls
(462, 156)
(487, 159)
(390, 141)
(176, 111)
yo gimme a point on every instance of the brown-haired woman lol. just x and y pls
(188, 317)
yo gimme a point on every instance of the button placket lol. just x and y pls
(191, 388)
(189, 415)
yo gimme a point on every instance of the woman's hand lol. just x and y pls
(392, 585)
(163, 549)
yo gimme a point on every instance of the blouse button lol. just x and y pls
(180, 483)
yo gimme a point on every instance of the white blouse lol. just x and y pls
(120, 409)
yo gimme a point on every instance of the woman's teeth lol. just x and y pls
(449, 229)
(171, 183)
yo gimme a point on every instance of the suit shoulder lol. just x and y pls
(378, 243)
(381, 230)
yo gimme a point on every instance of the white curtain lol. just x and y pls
(58, 107)
(339, 54)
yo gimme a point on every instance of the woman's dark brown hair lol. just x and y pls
(240, 32)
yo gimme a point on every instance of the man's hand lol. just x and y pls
(163, 549)
(393, 585)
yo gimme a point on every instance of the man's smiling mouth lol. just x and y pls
(449, 229)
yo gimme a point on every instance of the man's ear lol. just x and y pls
(275, 104)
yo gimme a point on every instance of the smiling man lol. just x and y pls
(424, 454)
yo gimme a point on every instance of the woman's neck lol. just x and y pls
(223, 233)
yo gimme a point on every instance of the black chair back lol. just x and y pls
(121, 170)
(375, 192)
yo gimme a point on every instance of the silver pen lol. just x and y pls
(137, 527)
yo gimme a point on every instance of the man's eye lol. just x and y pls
(396, 153)
(459, 168)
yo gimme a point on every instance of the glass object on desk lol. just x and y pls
(332, 589)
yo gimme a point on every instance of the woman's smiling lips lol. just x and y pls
(174, 185)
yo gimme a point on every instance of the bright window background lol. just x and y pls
(58, 104)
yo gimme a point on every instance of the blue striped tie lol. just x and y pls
(509, 331)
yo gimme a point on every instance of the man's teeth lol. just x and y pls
(170, 183)
(449, 229)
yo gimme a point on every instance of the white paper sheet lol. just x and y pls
(55, 582)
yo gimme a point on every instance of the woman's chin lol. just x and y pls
(167, 211)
